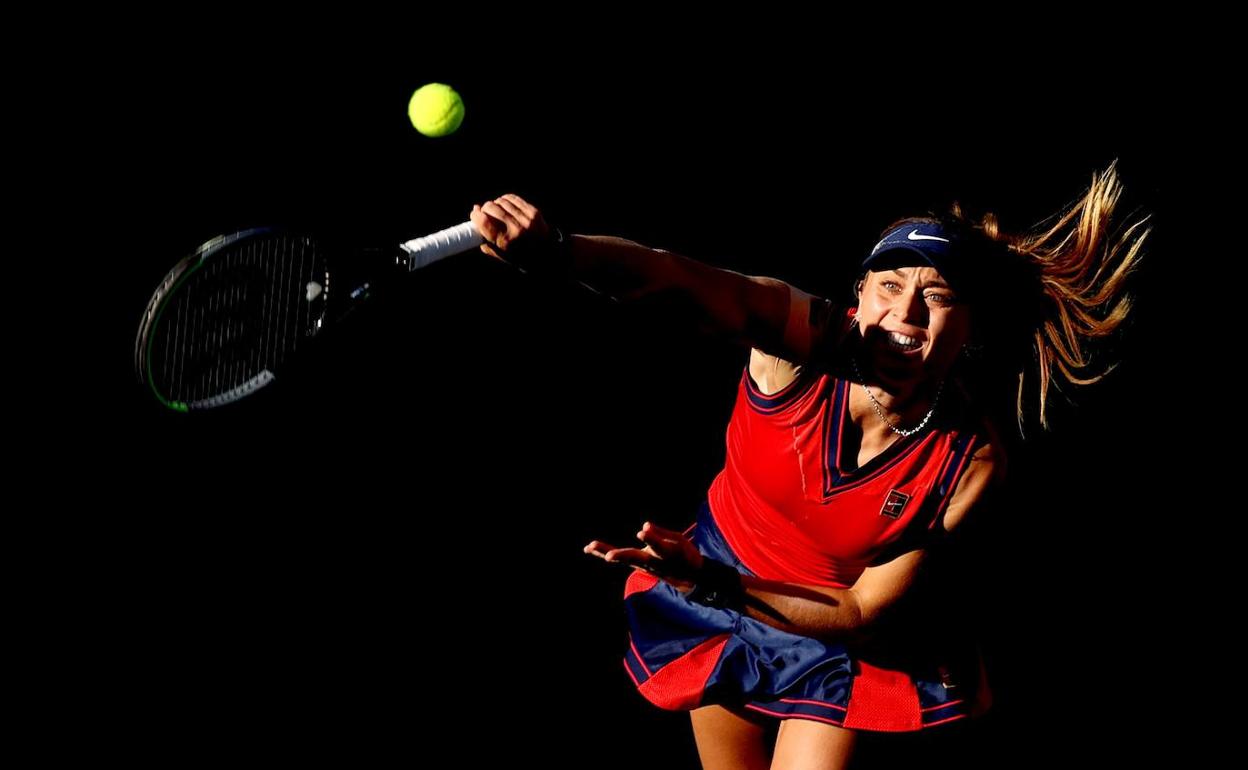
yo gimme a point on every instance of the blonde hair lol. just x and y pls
(1073, 268)
(1084, 266)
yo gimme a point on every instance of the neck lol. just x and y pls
(903, 403)
(899, 397)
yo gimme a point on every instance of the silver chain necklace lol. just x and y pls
(876, 404)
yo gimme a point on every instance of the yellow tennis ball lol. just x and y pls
(436, 110)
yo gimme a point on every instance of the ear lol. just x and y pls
(858, 288)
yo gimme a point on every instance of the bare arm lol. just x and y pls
(817, 611)
(750, 308)
(762, 312)
(855, 611)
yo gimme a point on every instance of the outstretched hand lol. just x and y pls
(667, 554)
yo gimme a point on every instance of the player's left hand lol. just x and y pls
(667, 554)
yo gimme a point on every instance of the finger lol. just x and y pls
(679, 554)
(663, 532)
(490, 250)
(636, 557)
(519, 215)
(598, 548)
(498, 212)
(529, 209)
(488, 227)
(652, 539)
(664, 540)
(507, 228)
(628, 555)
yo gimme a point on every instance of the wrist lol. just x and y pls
(549, 256)
(718, 585)
(561, 249)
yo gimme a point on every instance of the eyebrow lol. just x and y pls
(931, 284)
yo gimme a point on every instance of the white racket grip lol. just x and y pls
(440, 245)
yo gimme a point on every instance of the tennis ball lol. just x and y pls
(436, 110)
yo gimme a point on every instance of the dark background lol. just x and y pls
(385, 552)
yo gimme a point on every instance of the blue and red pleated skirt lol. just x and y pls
(683, 655)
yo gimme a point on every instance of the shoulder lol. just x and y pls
(984, 474)
(812, 325)
(811, 322)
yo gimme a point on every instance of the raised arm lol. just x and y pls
(764, 313)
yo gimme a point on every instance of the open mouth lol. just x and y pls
(901, 343)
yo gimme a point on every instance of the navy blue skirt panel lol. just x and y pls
(683, 655)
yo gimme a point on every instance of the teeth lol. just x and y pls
(902, 341)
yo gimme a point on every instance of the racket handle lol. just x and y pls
(440, 245)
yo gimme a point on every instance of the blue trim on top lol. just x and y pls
(835, 480)
(938, 498)
(768, 404)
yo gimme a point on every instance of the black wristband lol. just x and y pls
(550, 257)
(718, 585)
(561, 250)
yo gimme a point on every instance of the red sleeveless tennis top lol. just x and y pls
(795, 509)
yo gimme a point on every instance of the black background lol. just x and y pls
(385, 552)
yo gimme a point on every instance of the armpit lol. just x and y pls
(771, 374)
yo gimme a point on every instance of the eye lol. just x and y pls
(940, 299)
(890, 285)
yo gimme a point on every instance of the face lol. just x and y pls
(912, 323)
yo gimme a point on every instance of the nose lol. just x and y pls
(910, 308)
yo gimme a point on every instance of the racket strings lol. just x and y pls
(242, 313)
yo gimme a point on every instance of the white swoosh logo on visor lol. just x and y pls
(914, 236)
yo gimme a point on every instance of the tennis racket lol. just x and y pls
(227, 320)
